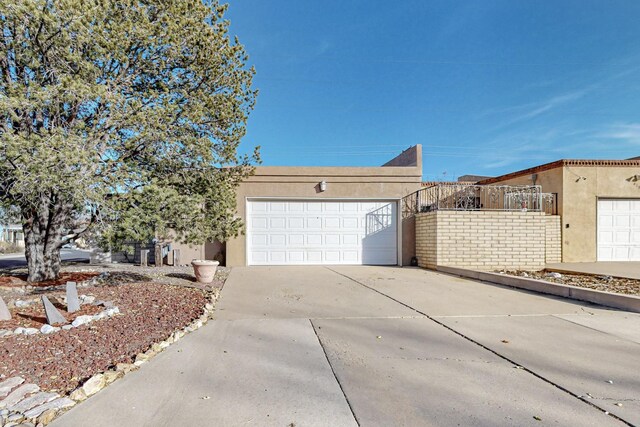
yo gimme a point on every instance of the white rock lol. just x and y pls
(87, 299)
(30, 331)
(67, 327)
(18, 394)
(7, 385)
(553, 274)
(63, 402)
(81, 320)
(112, 311)
(99, 316)
(48, 329)
(20, 303)
(4, 332)
(94, 384)
(19, 330)
(33, 401)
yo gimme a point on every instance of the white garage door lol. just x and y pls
(321, 232)
(619, 230)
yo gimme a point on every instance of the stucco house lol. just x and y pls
(598, 202)
(323, 215)
(12, 233)
(564, 211)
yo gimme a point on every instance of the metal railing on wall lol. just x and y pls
(470, 197)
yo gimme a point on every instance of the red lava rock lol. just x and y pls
(20, 280)
(63, 360)
(33, 316)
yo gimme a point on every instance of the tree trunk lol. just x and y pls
(43, 230)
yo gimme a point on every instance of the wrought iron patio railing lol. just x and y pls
(470, 197)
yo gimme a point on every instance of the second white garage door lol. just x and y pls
(619, 230)
(322, 232)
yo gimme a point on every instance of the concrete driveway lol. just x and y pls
(382, 346)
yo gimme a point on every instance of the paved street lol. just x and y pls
(18, 260)
(381, 346)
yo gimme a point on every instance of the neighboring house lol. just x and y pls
(12, 233)
(598, 201)
(323, 215)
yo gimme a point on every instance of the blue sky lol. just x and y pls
(487, 87)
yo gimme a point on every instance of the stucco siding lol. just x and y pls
(583, 186)
(302, 183)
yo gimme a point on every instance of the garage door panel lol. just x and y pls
(314, 223)
(605, 220)
(622, 220)
(296, 223)
(350, 223)
(259, 207)
(605, 237)
(259, 239)
(296, 239)
(314, 239)
(259, 223)
(619, 230)
(349, 239)
(327, 232)
(277, 207)
(314, 257)
(332, 223)
(278, 240)
(296, 257)
(313, 207)
(259, 257)
(350, 257)
(277, 223)
(621, 205)
(332, 239)
(296, 207)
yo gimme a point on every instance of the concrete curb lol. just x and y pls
(620, 301)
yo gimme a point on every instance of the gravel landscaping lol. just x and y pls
(154, 307)
(600, 283)
(60, 362)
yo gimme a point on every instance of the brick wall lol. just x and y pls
(553, 247)
(485, 240)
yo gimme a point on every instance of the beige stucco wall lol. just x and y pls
(581, 201)
(342, 183)
(578, 189)
(482, 240)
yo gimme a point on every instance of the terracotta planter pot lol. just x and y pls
(204, 270)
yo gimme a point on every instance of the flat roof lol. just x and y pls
(559, 164)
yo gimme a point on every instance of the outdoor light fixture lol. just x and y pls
(323, 185)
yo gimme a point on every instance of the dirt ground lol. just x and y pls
(600, 283)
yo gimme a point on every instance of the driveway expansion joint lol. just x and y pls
(324, 350)
(516, 365)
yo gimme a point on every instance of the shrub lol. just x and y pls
(10, 248)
